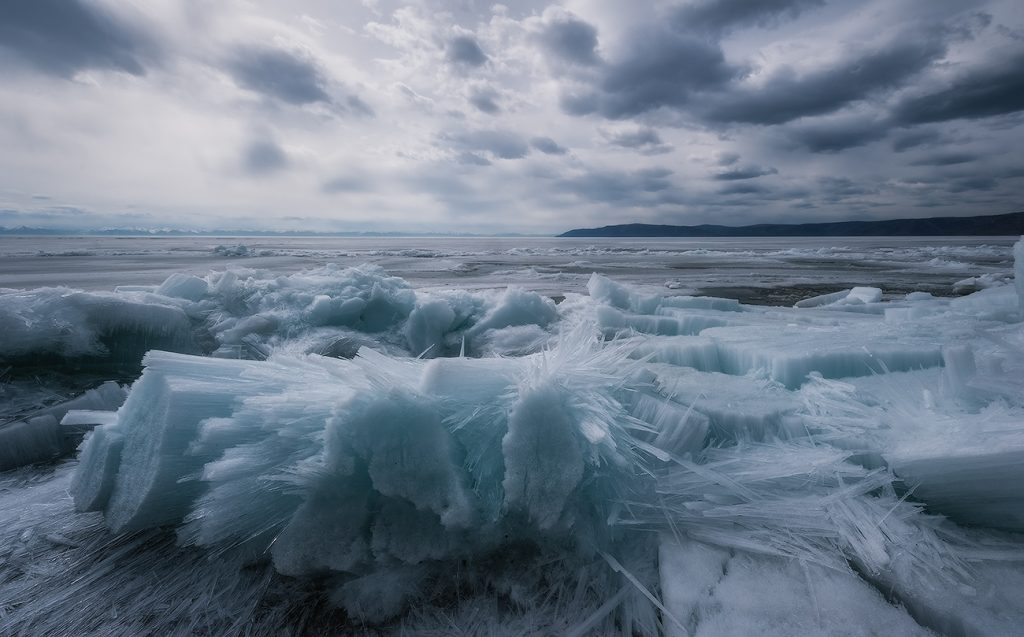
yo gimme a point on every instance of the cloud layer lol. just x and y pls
(529, 116)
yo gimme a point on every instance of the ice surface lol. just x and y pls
(723, 593)
(487, 461)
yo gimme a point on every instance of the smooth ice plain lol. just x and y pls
(569, 439)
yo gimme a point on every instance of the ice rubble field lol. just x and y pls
(333, 452)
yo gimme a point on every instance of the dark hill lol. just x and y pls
(986, 225)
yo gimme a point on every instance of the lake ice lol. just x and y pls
(418, 436)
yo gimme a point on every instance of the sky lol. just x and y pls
(535, 117)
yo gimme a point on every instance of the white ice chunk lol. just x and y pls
(788, 354)
(183, 286)
(543, 462)
(738, 407)
(66, 323)
(853, 296)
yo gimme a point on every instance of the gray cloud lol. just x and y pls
(837, 189)
(830, 135)
(741, 189)
(727, 159)
(747, 172)
(571, 40)
(992, 90)
(648, 187)
(912, 139)
(548, 146)
(346, 183)
(64, 36)
(502, 144)
(291, 77)
(264, 157)
(661, 69)
(463, 50)
(280, 74)
(472, 159)
(721, 15)
(968, 184)
(786, 95)
(945, 159)
(484, 99)
(644, 140)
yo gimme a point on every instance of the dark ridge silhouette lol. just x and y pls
(985, 225)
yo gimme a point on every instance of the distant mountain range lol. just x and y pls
(986, 225)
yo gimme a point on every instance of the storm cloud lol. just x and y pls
(64, 36)
(531, 116)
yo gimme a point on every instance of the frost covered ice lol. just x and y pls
(494, 463)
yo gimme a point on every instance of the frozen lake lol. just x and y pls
(759, 270)
(528, 436)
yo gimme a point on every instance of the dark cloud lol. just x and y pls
(835, 134)
(484, 99)
(548, 146)
(839, 188)
(644, 140)
(787, 95)
(571, 40)
(291, 77)
(65, 36)
(647, 187)
(264, 157)
(283, 75)
(634, 138)
(741, 189)
(355, 105)
(715, 16)
(727, 159)
(914, 138)
(945, 159)
(997, 89)
(661, 69)
(502, 144)
(472, 159)
(968, 184)
(747, 172)
(463, 50)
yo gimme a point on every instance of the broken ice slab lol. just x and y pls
(42, 436)
(717, 592)
(788, 353)
(158, 422)
(980, 484)
(28, 441)
(853, 296)
(738, 407)
(698, 352)
(613, 321)
(101, 327)
(621, 296)
(77, 422)
(677, 428)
